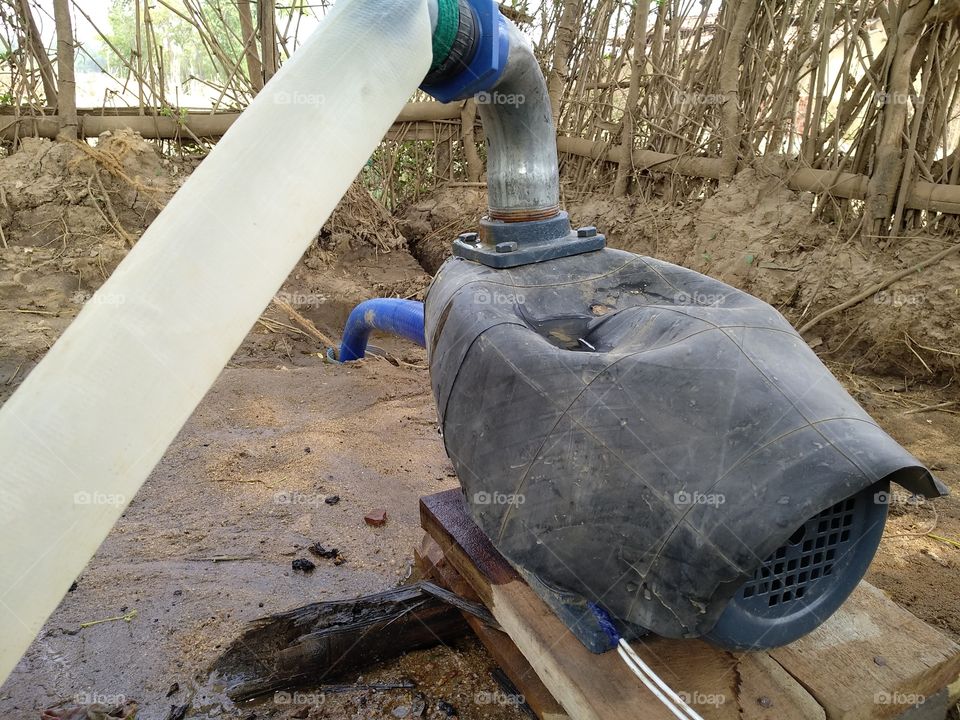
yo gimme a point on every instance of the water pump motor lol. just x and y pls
(643, 443)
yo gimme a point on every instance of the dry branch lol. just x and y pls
(30, 31)
(874, 289)
(305, 323)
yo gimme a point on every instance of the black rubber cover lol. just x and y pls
(639, 435)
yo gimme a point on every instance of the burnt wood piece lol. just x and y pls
(319, 642)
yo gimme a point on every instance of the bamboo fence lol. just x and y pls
(856, 102)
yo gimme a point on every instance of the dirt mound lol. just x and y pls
(431, 224)
(760, 236)
(365, 220)
(52, 191)
(70, 212)
(68, 215)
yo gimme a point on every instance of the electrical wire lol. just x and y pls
(673, 702)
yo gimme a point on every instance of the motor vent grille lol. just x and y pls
(806, 579)
(809, 555)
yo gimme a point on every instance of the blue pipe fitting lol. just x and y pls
(488, 62)
(398, 317)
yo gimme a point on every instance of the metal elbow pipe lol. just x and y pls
(522, 176)
(488, 57)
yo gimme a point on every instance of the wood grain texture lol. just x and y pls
(434, 566)
(869, 660)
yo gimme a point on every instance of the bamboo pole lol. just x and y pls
(249, 33)
(468, 123)
(38, 51)
(888, 169)
(563, 42)
(138, 24)
(67, 97)
(935, 197)
(93, 122)
(730, 86)
(416, 122)
(268, 37)
(639, 61)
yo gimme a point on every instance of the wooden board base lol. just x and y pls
(872, 659)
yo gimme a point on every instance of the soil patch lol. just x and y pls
(760, 236)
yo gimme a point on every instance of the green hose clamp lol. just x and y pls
(448, 20)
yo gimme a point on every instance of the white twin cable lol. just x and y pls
(655, 685)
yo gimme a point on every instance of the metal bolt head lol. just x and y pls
(587, 231)
(471, 238)
(506, 247)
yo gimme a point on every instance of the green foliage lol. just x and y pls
(183, 49)
(90, 61)
(180, 114)
(399, 173)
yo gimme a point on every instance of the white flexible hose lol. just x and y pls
(674, 703)
(87, 426)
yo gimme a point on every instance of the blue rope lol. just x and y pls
(606, 623)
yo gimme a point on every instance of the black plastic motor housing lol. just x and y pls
(634, 434)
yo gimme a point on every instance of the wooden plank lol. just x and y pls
(872, 659)
(832, 673)
(434, 566)
(762, 681)
(587, 685)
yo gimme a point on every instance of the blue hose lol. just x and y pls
(399, 317)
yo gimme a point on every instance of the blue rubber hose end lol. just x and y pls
(403, 318)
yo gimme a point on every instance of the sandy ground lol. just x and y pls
(208, 542)
(919, 571)
(247, 479)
